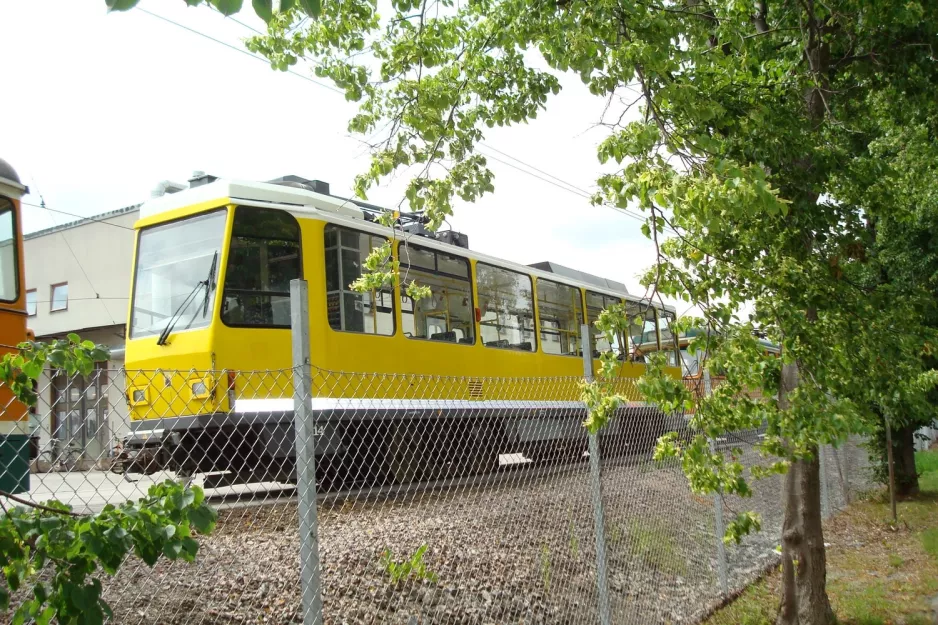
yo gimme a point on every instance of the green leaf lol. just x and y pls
(120, 5)
(20, 616)
(32, 369)
(74, 338)
(203, 518)
(45, 617)
(228, 7)
(264, 9)
(311, 7)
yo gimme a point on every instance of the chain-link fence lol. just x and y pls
(438, 500)
(373, 498)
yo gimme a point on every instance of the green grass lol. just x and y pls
(930, 541)
(890, 578)
(926, 463)
(655, 544)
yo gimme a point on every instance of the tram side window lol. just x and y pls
(348, 310)
(639, 343)
(595, 304)
(506, 304)
(560, 312)
(263, 257)
(669, 338)
(446, 315)
(8, 252)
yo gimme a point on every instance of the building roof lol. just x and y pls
(83, 221)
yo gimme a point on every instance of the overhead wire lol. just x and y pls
(236, 48)
(81, 267)
(92, 219)
(544, 177)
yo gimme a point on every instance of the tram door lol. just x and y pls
(80, 409)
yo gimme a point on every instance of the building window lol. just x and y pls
(446, 315)
(348, 310)
(595, 304)
(59, 297)
(264, 256)
(507, 308)
(560, 311)
(32, 301)
(9, 269)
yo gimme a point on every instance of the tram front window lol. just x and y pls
(174, 263)
(8, 290)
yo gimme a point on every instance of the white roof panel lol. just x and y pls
(254, 191)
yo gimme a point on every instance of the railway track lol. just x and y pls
(526, 472)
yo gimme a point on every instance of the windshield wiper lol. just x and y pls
(207, 283)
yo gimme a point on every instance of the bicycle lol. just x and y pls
(59, 458)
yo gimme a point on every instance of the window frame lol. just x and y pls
(436, 271)
(36, 311)
(226, 250)
(338, 248)
(17, 261)
(581, 316)
(662, 315)
(619, 299)
(535, 330)
(52, 288)
(136, 265)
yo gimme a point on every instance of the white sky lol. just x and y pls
(105, 106)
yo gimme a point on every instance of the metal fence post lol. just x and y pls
(305, 455)
(599, 520)
(822, 471)
(717, 507)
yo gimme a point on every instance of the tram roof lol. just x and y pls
(308, 204)
(10, 184)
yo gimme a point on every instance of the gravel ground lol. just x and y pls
(519, 551)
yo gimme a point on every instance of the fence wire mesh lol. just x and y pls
(438, 499)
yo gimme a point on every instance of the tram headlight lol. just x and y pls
(199, 389)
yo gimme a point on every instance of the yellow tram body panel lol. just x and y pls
(197, 371)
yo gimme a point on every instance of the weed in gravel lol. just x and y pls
(545, 567)
(414, 566)
(574, 540)
(653, 541)
(895, 561)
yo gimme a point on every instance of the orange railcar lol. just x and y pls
(14, 416)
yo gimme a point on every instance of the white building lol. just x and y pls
(78, 280)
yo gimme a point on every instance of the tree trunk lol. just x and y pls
(904, 458)
(804, 563)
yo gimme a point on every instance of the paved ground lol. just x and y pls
(90, 491)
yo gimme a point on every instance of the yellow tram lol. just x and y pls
(209, 323)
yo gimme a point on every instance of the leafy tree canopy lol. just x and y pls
(780, 149)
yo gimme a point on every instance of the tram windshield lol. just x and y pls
(8, 252)
(173, 261)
